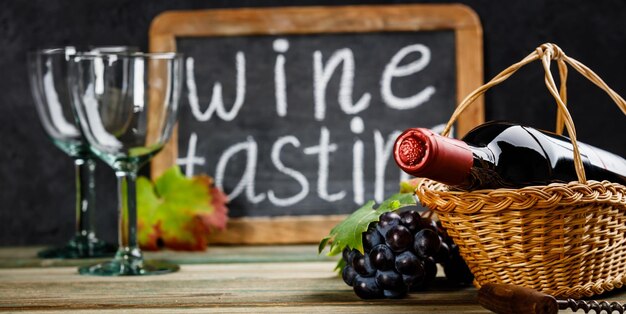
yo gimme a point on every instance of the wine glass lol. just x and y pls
(47, 69)
(126, 106)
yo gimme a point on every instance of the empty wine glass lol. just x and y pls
(47, 69)
(127, 106)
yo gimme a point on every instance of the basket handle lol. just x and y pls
(546, 53)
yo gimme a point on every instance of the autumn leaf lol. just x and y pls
(179, 212)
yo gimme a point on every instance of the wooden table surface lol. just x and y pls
(253, 279)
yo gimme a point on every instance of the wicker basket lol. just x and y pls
(567, 240)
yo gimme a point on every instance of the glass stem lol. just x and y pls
(127, 223)
(85, 199)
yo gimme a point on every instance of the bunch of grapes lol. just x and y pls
(401, 255)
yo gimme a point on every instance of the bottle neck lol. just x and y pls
(423, 153)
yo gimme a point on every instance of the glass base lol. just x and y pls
(80, 247)
(119, 267)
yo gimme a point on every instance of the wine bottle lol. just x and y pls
(501, 154)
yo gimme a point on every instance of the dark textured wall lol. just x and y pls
(36, 185)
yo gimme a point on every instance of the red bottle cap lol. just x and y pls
(423, 153)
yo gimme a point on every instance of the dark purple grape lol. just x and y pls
(367, 288)
(401, 255)
(389, 280)
(427, 243)
(371, 238)
(348, 274)
(411, 220)
(395, 294)
(443, 233)
(443, 255)
(353, 254)
(408, 264)
(387, 221)
(399, 238)
(388, 217)
(382, 258)
(348, 255)
(430, 272)
(363, 266)
(456, 269)
(427, 223)
(413, 281)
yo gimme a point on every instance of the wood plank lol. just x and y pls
(276, 230)
(15, 257)
(293, 287)
(368, 309)
(268, 286)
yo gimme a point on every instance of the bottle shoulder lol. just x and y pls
(485, 133)
(500, 137)
(517, 155)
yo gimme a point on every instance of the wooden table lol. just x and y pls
(250, 279)
(253, 279)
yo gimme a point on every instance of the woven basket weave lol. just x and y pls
(564, 239)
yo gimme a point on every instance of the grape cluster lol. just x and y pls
(400, 255)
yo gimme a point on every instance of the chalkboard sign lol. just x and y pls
(294, 111)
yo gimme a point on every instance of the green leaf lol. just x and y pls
(348, 233)
(341, 263)
(323, 244)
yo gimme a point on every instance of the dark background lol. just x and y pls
(36, 198)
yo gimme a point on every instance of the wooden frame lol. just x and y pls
(462, 20)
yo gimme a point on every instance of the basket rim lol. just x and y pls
(436, 196)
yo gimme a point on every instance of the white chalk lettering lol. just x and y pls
(323, 150)
(357, 126)
(338, 66)
(281, 45)
(298, 176)
(191, 158)
(217, 102)
(393, 69)
(322, 75)
(357, 172)
(247, 179)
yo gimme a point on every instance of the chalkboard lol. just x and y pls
(294, 111)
